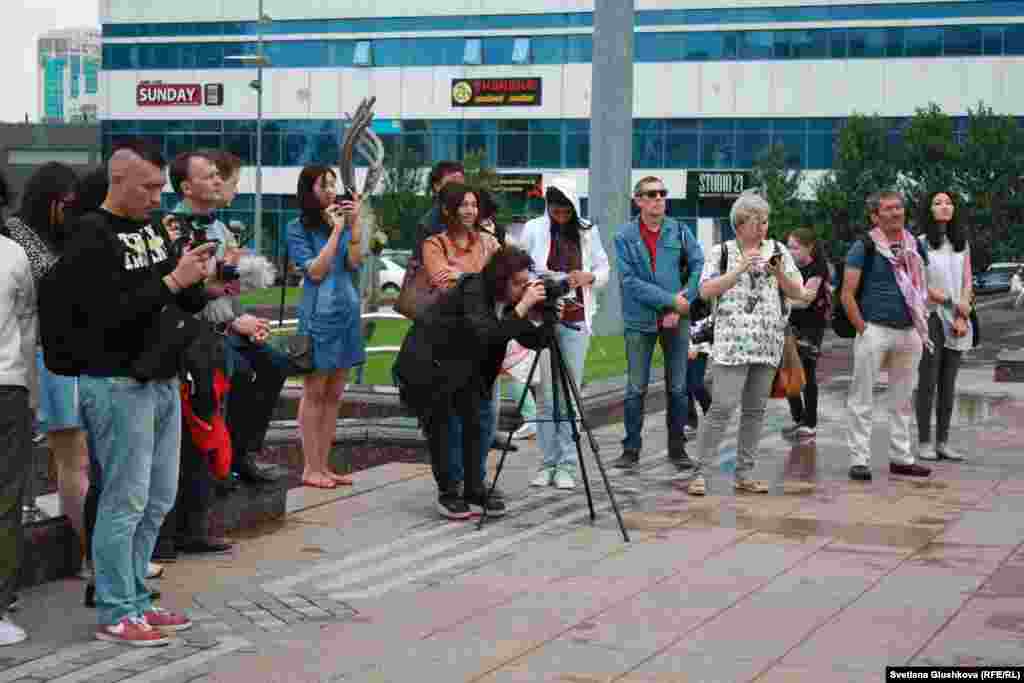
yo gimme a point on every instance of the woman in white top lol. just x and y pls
(949, 323)
(750, 325)
(563, 244)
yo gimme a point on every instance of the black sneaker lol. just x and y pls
(627, 460)
(680, 459)
(911, 470)
(495, 507)
(860, 473)
(452, 507)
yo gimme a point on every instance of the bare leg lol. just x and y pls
(334, 390)
(311, 409)
(71, 451)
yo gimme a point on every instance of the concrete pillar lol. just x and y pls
(611, 140)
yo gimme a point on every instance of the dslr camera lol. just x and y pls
(554, 290)
(192, 229)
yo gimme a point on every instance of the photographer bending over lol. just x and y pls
(570, 248)
(450, 359)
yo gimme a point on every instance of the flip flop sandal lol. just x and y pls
(342, 479)
(697, 487)
(319, 484)
(750, 486)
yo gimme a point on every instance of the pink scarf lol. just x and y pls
(908, 267)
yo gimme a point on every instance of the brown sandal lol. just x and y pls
(750, 486)
(697, 487)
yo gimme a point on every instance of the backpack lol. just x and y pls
(841, 324)
(56, 323)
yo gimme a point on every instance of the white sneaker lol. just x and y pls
(564, 481)
(927, 452)
(945, 452)
(527, 431)
(544, 477)
(11, 633)
(154, 570)
(805, 432)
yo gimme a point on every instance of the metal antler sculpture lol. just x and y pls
(360, 138)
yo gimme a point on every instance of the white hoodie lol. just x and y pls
(536, 240)
(17, 317)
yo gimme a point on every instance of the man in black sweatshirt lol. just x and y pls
(121, 275)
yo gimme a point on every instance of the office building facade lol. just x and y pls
(68, 75)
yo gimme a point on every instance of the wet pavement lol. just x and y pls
(821, 579)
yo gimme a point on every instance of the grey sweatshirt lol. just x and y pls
(17, 317)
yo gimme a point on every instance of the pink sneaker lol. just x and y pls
(165, 620)
(132, 631)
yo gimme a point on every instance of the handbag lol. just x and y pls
(417, 292)
(298, 348)
(790, 378)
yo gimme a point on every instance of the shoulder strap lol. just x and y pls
(723, 262)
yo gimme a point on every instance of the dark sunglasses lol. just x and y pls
(653, 194)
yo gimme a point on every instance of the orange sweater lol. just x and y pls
(445, 262)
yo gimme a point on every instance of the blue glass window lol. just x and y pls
(866, 42)
(992, 40)
(837, 43)
(750, 146)
(924, 42)
(388, 52)
(648, 143)
(549, 50)
(513, 150)
(819, 151)
(272, 150)
(706, 45)
(579, 49)
(1013, 35)
(546, 150)
(298, 53)
(577, 150)
(812, 44)
(363, 55)
(498, 50)
(473, 51)
(756, 44)
(659, 47)
(682, 144)
(521, 51)
(894, 42)
(962, 41)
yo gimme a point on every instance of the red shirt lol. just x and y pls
(650, 238)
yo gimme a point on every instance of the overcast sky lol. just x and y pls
(23, 21)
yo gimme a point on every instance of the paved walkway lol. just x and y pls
(823, 579)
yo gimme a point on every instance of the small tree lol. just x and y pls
(402, 201)
(864, 163)
(780, 186)
(930, 156)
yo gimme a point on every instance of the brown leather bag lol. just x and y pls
(417, 293)
(790, 378)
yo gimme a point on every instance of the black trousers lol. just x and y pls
(255, 389)
(936, 387)
(196, 495)
(804, 408)
(466, 404)
(15, 465)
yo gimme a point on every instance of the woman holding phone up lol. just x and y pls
(324, 243)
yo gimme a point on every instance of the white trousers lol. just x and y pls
(899, 351)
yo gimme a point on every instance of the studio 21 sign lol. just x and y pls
(149, 94)
(710, 184)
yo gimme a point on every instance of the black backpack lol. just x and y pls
(56, 323)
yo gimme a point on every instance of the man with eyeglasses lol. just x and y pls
(653, 251)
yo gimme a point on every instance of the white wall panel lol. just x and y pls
(708, 89)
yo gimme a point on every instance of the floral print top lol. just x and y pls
(750, 318)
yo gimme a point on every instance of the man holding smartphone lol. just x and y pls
(120, 275)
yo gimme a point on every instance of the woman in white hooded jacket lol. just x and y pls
(563, 244)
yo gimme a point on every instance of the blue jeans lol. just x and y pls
(554, 437)
(456, 471)
(675, 343)
(134, 431)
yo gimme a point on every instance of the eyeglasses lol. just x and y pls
(653, 194)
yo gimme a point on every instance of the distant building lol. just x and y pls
(26, 147)
(68, 75)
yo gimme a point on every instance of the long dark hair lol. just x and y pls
(91, 191)
(926, 222)
(571, 229)
(312, 212)
(504, 263)
(50, 183)
(451, 197)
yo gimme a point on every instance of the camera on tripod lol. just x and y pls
(554, 290)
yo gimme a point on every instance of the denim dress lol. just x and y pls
(329, 311)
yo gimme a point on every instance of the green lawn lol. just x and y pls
(272, 295)
(606, 358)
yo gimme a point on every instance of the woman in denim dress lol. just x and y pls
(325, 243)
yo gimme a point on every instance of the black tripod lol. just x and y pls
(561, 375)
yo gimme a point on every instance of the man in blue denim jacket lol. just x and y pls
(652, 252)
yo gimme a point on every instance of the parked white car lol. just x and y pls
(389, 276)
